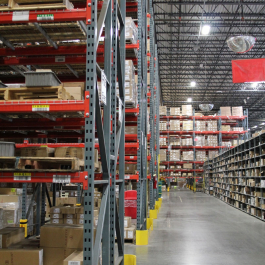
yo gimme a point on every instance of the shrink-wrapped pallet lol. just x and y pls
(163, 110)
(186, 142)
(186, 110)
(174, 141)
(175, 112)
(188, 155)
(163, 154)
(187, 126)
(174, 125)
(212, 154)
(200, 126)
(225, 111)
(174, 155)
(199, 140)
(163, 141)
(200, 155)
(131, 31)
(212, 125)
(237, 111)
(212, 140)
(162, 126)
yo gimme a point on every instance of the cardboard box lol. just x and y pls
(57, 221)
(127, 222)
(75, 258)
(187, 166)
(174, 125)
(130, 129)
(77, 152)
(225, 111)
(69, 221)
(130, 168)
(36, 152)
(186, 110)
(187, 125)
(79, 210)
(163, 110)
(188, 155)
(237, 111)
(80, 221)
(56, 215)
(175, 111)
(69, 216)
(21, 257)
(66, 201)
(56, 256)
(61, 236)
(11, 235)
(68, 86)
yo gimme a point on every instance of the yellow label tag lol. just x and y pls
(44, 146)
(13, 190)
(40, 107)
(22, 174)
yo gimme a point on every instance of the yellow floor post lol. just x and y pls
(129, 259)
(150, 223)
(160, 202)
(141, 237)
(157, 206)
(153, 214)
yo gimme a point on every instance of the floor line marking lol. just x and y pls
(180, 199)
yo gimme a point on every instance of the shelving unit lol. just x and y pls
(237, 177)
(195, 173)
(48, 120)
(208, 177)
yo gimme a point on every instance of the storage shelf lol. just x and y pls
(162, 117)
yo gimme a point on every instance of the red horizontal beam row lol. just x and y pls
(191, 147)
(162, 117)
(200, 132)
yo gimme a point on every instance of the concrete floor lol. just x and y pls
(197, 229)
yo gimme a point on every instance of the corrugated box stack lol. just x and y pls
(225, 111)
(130, 129)
(188, 155)
(186, 142)
(225, 128)
(174, 140)
(200, 126)
(237, 129)
(162, 126)
(237, 111)
(200, 156)
(174, 155)
(175, 112)
(131, 31)
(163, 155)
(212, 154)
(174, 125)
(212, 125)
(130, 85)
(163, 141)
(187, 126)
(199, 140)
(186, 110)
(212, 140)
(163, 110)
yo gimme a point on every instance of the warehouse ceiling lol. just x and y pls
(185, 55)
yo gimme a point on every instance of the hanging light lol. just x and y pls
(189, 100)
(205, 29)
(241, 44)
(193, 84)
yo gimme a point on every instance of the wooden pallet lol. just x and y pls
(21, 5)
(35, 93)
(41, 164)
(50, 164)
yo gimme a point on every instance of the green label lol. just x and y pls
(45, 17)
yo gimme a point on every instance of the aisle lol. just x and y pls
(196, 229)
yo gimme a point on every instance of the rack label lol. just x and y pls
(73, 262)
(20, 16)
(22, 176)
(61, 179)
(59, 59)
(126, 177)
(40, 107)
(103, 88)
(45, 17)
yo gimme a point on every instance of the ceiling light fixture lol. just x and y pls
(193, 84)
(255, 126)
(189, 100)
(205, 30)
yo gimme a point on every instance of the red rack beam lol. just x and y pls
(203, 117)
(44, 177)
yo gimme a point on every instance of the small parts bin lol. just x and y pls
(130, 203)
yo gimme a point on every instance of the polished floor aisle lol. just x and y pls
(197, 229)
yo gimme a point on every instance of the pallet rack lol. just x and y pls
(113, 144)
(207, 177)
(238, 177)
(197, 166)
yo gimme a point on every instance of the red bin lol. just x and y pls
(130, 203)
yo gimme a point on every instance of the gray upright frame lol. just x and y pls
(142, 117)
(110, 135)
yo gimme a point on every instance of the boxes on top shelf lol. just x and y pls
(225, 111)
(186, 110)
(237, 111)
(226, 128)
(162, 126)
(175, 111)
(163, 154)
(237, 129)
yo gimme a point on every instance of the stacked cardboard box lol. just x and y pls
(201, 155)
(174, 140)
(188, 155)
(162, 126)
(187, 126)
(130, 85)
(225, 111)
(163, 155)
(131, 31)
(130, 129)
(187, 166)
(212, 125)
(237, 129)
(186, 141)
(237, 111)
(212, 140)
(163, 110)
(130, 168)
(226, 128)
(200, 140)
(200, 126)
(174, 125)
(186, 110)
(174, 155)
(175, 112)
(212, 154)
(162, 141)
